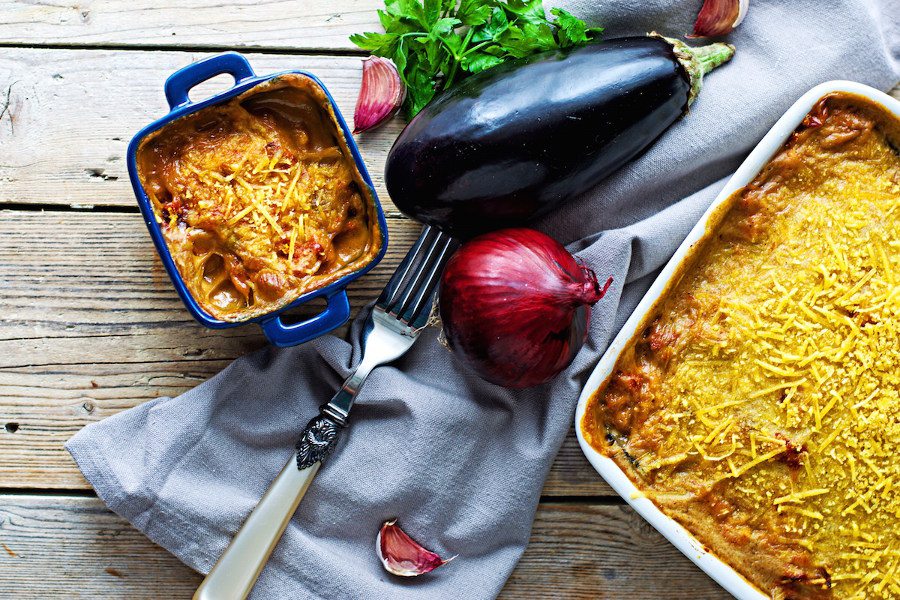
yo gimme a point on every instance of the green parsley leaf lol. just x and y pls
(380, 44)
(442, 28)
(497, 25)
(529, 10)
(528, 39)
(572, 30)
(473, 12)
(437, 43)
(479, 61)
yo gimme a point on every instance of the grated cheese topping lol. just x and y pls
(258, 200)
(784, 335)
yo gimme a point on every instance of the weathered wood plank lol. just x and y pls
(71, 114)
(288, 24)
(90, 325)
(72, 547)
(586, 551)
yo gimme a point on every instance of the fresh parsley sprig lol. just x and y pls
(436, 43)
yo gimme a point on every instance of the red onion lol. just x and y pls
(515, 306)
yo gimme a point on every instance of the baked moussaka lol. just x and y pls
(758, 406)
(259, 199)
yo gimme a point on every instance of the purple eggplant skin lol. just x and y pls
(511, 143)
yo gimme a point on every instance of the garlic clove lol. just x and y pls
(402, 555)
(719, 17)
(380, 96)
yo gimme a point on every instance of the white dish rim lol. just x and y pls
(718, 570)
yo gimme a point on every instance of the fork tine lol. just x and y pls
(425, 294)
(390, 292)
(415, 281)
(428, 252)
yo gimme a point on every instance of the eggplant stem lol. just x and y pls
(712, 55)
(698, 61)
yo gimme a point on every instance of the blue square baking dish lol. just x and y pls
(177, 87)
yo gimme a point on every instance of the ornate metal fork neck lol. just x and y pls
(339, 407)
(320, 435)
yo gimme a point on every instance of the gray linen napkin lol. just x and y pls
(462, 462)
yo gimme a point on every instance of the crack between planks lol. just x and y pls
(395, 215)
(47, 492)
(285, 50)
(187, 360)
(90, 493)
(5, 110)
(28, 207)
(583, 500)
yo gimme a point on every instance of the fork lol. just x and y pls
(399, 315)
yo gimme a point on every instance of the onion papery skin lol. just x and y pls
(515, 306)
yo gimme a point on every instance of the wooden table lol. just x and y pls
(90, 325)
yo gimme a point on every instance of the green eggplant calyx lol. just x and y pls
(698, 61)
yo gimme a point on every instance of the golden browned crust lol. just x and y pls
(259, 199)
(758, 405)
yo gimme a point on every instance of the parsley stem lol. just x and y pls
(457, 58)
(477, 47)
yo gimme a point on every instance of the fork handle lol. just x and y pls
(236, 571)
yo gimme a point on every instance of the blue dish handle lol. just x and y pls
(180, 82)
(335, 314)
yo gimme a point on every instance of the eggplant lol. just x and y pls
(511, 143)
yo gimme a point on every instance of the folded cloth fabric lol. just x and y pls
(459, 461)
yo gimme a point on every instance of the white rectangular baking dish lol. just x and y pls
(723, 574)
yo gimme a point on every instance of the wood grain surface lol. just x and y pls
(73, 547)
(90, 325)
(276, 24)
(71, 114)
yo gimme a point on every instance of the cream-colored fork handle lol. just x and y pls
(236, 571)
